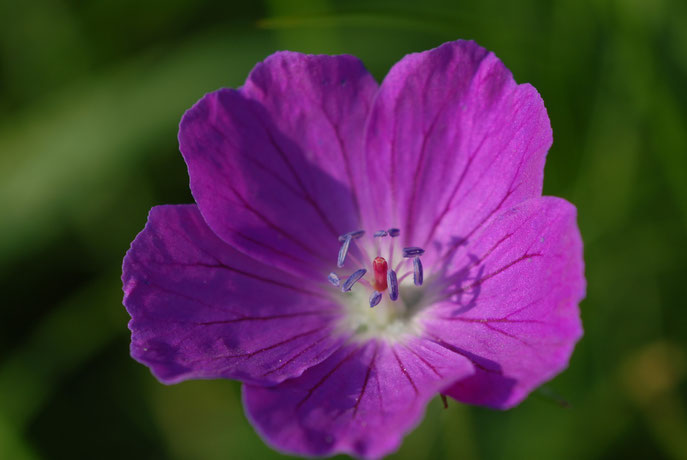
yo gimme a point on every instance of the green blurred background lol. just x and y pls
(90, 96)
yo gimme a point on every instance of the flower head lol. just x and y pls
(356, 249)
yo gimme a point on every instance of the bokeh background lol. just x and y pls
(91, 93)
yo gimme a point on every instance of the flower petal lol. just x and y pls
(201, 309)
(360, 401)
(271, 165)
(451, 140)
(513, 307)
(321, 102)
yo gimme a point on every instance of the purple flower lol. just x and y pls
(424, 190)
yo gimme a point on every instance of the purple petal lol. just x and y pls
(201, 309)
(271, 164)
(360, 401)
(451, 141)
(513, 306)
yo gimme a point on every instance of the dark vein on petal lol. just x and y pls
(491, 320)
(379, 389)
(484, 173)
(347, 163)
(221, 265)
(535, 350)
(392, 166)
(505, 319)
(491, 275)
(507, 334)
(479, 261)
(447, 207)
(271, 248)
(502, 152)
(427, 363)
(296, 356)
(455, 350)
(266, 318)
(455, 245)
(278, 177)
(410, 226)
(233, 146)
(183, 296)
(484, 256)
(518, 310)
(367, 377)
(342, 149)
(491, 249)
(251, 257)
(261, 350)
(512, 187)
(274, 226)
(326, 376)
(308, 196)
(404, 370)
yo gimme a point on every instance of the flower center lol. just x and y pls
(369, 312)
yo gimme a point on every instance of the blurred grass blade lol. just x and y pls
(57, 152)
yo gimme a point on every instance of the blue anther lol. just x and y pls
(418, 275)
(392, 281)
(343, 251)
(375, 298)
(412, 252)
(332, 278)
(380, 233)
(394, 232)
(348, 284)
(354, 235)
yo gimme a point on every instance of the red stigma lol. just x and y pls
(380, 268)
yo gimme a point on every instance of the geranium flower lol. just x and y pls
(356, 249)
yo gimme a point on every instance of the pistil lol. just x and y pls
(380, 268)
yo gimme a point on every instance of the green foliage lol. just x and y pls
(90, 96)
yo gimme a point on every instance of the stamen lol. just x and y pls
(417, 272)
(348, 284)
(375, 298)
(393, 232)
(332, 278)
(412, 251)
(392, 281)
(343, 251)
(385, 277)
(354, 235)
